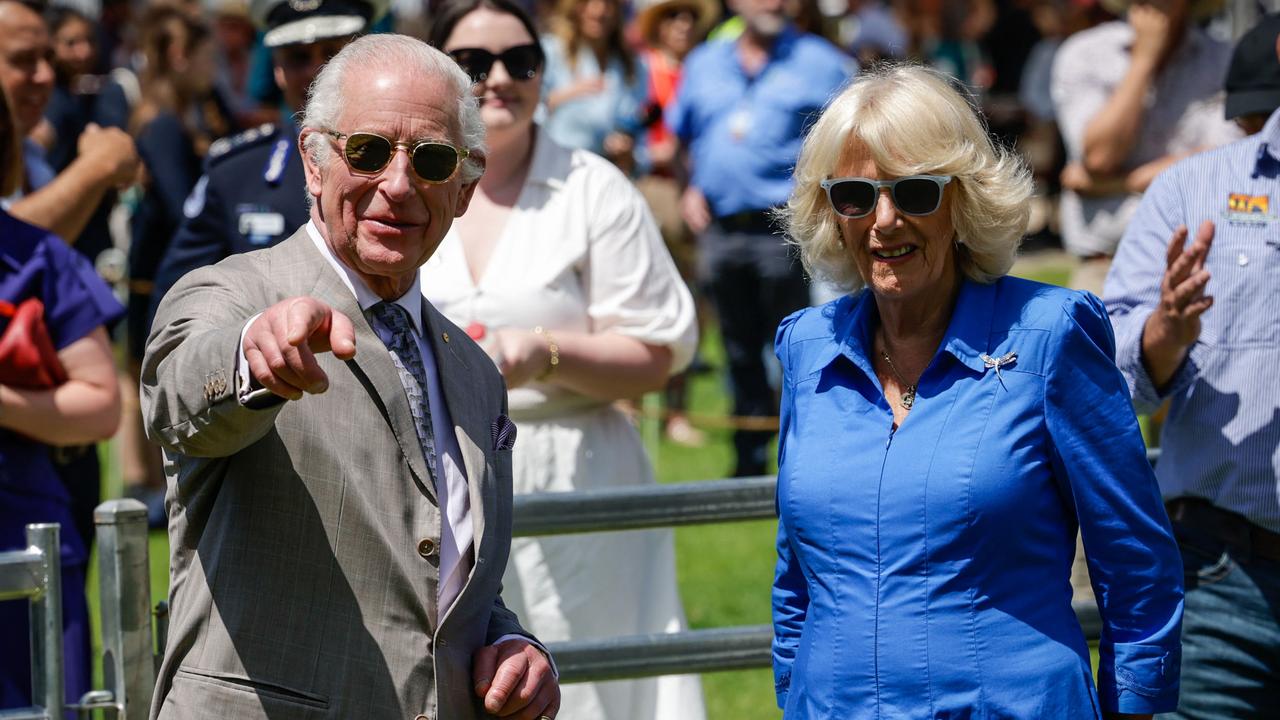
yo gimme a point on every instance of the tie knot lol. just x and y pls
(394, 318)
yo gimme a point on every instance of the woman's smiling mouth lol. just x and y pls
(894, 254)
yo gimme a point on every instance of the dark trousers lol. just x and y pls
(1230, 628)
(753, 280)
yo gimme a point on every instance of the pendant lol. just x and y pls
(908, 398)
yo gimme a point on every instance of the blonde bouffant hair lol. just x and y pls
(912, 121)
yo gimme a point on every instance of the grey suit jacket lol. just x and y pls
(298, 589)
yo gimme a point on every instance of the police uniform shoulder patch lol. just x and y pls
(228, 145)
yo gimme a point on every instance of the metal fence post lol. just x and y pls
(47, 682)
(35, 574)
(124, 572)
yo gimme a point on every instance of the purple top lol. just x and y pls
(36, 263)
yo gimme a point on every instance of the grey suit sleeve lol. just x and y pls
(188, 379)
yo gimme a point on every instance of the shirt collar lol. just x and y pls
(780, 50)
(1268, 161)
(411, 301)
(969, 334)
(966, 339)
(543, 166)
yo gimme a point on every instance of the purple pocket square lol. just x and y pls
(504, 433)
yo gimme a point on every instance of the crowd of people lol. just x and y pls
(585, 184)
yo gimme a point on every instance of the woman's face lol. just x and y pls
(596, 18)
(506, 102)
(73, 47)
(900, 256)
(675, 30)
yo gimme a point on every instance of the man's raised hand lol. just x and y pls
(1174, 326)
(1182, 289)
(281, 343)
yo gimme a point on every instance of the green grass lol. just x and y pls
(725, 570)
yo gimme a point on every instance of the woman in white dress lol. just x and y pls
(559, 270)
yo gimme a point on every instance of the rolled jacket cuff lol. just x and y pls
(1134, 678)
(782, 686)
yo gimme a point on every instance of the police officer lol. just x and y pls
(253, 193)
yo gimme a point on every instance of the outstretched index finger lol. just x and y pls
(342, 336)
(306, 320)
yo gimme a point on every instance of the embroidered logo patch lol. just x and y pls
(1246, 208)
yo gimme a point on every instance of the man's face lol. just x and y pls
(24, 63)
(296, 67)
(384, 226)
(764, 18)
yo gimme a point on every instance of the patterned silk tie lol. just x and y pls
(396, 332)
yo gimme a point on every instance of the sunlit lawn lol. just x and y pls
(725, 570)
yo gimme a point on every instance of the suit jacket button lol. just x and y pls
(422, 717)
(426, 548)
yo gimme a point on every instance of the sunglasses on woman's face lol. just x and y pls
(913, 195)
(434, 162)
(521, 61)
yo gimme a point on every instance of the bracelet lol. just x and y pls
(553, 348)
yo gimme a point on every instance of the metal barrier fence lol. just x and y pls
(633, 508)
(129, 655)
(35, 575)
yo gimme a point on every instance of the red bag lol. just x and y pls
(27, 356)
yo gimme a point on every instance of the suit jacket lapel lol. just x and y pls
(373, 365)
(471, 426)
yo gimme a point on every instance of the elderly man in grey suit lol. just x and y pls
(338, 453)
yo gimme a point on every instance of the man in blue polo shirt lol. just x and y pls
(743, 106)
(1194, 299)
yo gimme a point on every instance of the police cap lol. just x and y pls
(292, 22)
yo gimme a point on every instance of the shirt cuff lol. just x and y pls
(249, 392)
(1146, 396)
(1139, 678)
(555, 671)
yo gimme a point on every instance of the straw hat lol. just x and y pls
(1199, 9)
(649, 12)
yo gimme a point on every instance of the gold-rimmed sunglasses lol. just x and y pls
(433, 161)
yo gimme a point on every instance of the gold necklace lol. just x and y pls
(909, 395)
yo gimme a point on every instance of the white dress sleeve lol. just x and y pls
(632, 285)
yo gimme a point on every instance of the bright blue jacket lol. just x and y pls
(923, 573)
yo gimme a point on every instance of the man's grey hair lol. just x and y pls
(325, 100)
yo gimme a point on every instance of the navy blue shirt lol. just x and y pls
(36, 263)
(743, 132)
(252, 195)
(169, 154)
